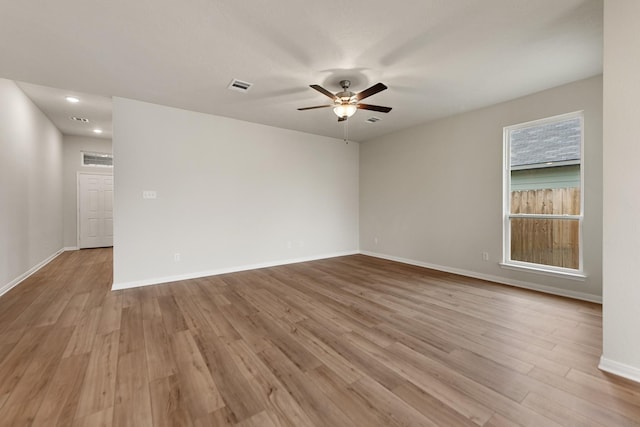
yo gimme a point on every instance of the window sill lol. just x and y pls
(579, 276)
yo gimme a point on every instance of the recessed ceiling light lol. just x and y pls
(97, 131)
(72, 99)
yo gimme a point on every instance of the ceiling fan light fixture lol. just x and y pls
(345, 110)
(346, 103)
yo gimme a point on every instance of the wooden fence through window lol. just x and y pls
(546, 241)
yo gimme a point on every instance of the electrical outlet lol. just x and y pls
(375, 240)
(176, 257)
(485, 256)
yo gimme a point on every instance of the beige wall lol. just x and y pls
(30, 186)
(432, 194)
(621, 352)
(230, 194)
(72, 147)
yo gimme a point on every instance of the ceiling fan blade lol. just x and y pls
(342, 119)
(313, 108)
(323, 91)
(379, 87)
(374, 108)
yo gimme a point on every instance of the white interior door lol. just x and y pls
(95, 216)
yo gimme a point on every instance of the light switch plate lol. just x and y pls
(149, 194)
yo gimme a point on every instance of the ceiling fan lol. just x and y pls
(346, 103)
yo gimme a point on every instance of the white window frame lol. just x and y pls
(507, 262)
(94, 153)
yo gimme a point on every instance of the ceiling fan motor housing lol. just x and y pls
(346, 96)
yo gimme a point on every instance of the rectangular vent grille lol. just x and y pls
(373, 119)
(239, 85)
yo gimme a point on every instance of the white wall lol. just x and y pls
(72, 147)
(30, 186)
(432, 194)
(621, 352)
(230, 194)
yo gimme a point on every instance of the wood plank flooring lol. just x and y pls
(349, 341)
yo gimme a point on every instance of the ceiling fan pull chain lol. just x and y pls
(346, 131)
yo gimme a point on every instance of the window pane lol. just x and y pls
(97, 159)
(546, 241)
(553, 201)
(545, 179)
(548, 143)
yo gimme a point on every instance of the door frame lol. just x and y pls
(78, 173)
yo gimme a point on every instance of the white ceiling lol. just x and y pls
(438, 57)
(95, 108)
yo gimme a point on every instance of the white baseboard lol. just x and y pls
(70, 248)
(15, 282)
(226, 270)
(620, 369)
(491, 278)
(517, 283)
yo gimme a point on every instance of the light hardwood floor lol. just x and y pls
(350, 341)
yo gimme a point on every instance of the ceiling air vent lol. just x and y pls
(79, 119)
(373, 119)
(239, 85)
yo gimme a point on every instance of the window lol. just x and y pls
(543, 194)
(104, 160)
